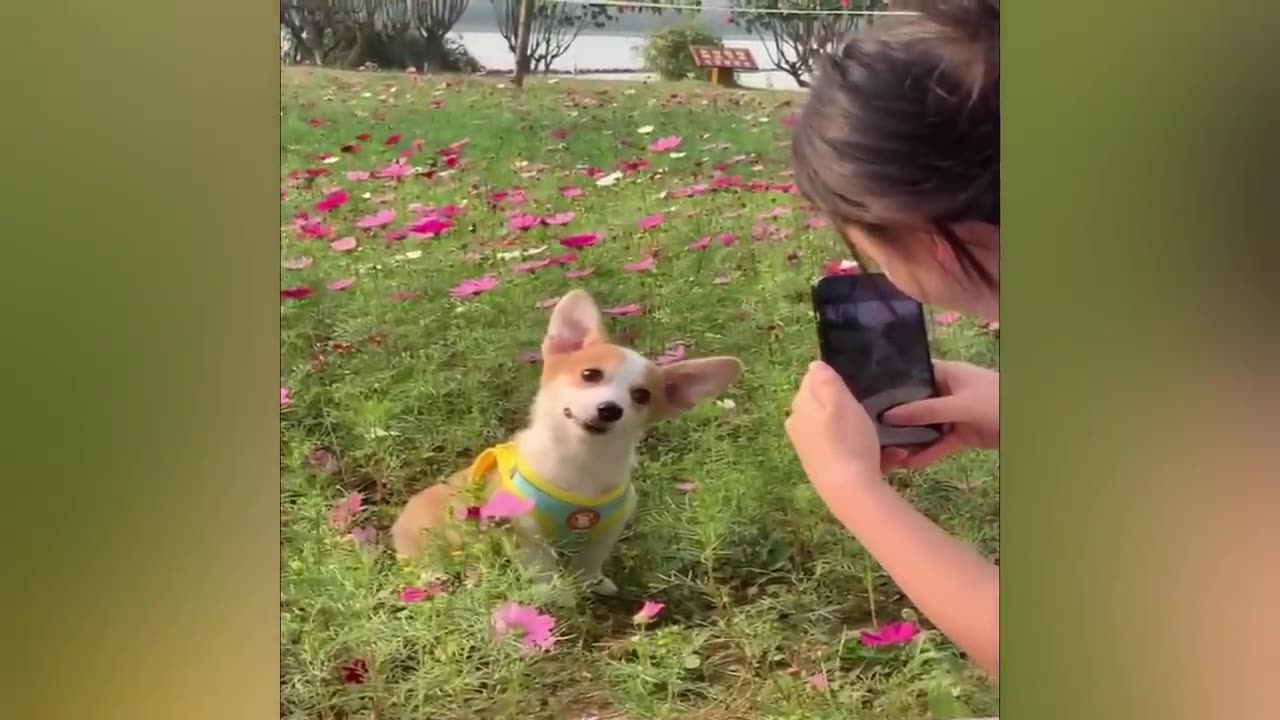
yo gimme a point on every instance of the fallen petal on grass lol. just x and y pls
(897, 633)
(624, 310)
(535, 629)
(647, 612)
(473, 287)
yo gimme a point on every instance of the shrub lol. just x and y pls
(666, 52)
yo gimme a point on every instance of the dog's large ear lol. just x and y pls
(689, 382)
(575, 324)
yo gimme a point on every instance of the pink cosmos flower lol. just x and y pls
(344, 510)
(284, 396)
(647, 612)
(701, 243)
(474, 286)
(358, 175)
(315, 229)
(578, 242)
(522, 221)
(295, 293)
(333, 201)
(571, 192)
(652, 221)
(376, 220)
(665, 144)
(344, 245)
(560, 218)
(397, 169)
(578, 274)
(418, 594)
(564, 259)
(674, 353)
(727, 239)
(430, 226)
(947, 318)
(648, 262)
(624, 310)
(340, 285)
(298, 263)
(896, 633)
(534, 627)
(503, 504)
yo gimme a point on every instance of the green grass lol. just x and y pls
(763, 589)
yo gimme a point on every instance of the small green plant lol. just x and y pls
(667, 52)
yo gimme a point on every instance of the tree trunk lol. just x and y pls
(434, 54)
(523, 28)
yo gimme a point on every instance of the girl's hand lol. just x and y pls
(832, 434)
(968, 404)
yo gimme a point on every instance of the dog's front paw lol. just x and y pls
(604, 586)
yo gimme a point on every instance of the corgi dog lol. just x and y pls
(570, 467)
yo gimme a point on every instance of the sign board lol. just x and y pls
(723, 57)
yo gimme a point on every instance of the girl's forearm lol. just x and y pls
(953, 585)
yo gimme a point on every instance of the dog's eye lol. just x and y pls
(640, 396)
(592, 375)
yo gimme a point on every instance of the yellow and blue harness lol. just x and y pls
(566, 518)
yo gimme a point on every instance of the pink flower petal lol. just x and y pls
(472, 287)
(645, 263)
(284, 396)
(686, 487)
(665, 144)
(298, 263)
(364, 535)
(535, 628)
(333, 201)
(674, 352)
(344, 245)
(358, 175)
(820, 682)
(295, 293)
(624, 310)
(340, 285)
(530, 266)
(418, 594)
(503, 504)
(947, 318)
(578, 242)
(652, 221)
(896, 633)
(430, 226)
(701, 243)
(578, 274)
(647, 612)
(727, 239)
(571, 192)
(344, 510)
(524, 222)
(560, 218)
(376, 220)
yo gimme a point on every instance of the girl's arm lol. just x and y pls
(954, 586)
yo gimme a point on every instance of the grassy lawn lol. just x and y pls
(392, 384)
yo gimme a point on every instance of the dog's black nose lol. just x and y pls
(609, 411)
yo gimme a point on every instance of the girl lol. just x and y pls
(900, 145)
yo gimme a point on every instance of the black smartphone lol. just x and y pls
(873, 335)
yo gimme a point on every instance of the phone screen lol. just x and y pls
(874, 337)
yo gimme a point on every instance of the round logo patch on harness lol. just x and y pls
(582, 519)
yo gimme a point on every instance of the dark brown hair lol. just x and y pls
(902, 126)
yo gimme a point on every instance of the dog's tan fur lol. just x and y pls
(560, 452)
